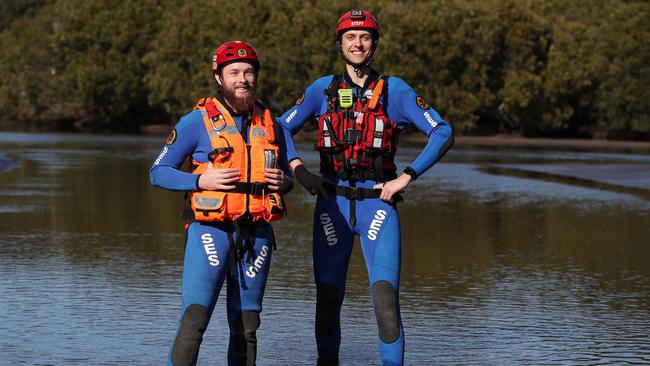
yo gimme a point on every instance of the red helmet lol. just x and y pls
(354, 19)
(234, 51)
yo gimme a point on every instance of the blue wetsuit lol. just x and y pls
(377, 221)
(208, 261)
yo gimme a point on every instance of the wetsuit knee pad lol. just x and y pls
(193, 324)
(384, 297)
(247, 323)
(327, 308)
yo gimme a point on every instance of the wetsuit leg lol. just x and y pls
(379, 232)
(245, 294)
(205, 267)
(333, 240)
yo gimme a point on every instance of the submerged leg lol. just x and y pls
(245, 295)
(185, 348)
(242, 348)
(333, 241)
(203, 275)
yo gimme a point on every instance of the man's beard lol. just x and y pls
(240, 104)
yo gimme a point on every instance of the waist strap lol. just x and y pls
(256, 189)
(356, 193)
(359, 194)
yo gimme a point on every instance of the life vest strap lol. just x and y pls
(255, 189)
(356, 193)
(218, 151)
(359, 194)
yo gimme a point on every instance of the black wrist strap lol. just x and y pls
(410, 171)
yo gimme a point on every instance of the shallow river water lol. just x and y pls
(498, 267)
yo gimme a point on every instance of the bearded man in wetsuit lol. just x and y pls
(235, 188)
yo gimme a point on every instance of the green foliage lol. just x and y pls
(27, 67)
(12, 10)
(623, 99)
(535, 67)
(101, 45)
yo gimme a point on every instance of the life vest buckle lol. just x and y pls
(253, 188)
(352, 135)
(218, 151)
(352, 193)
(356, 193)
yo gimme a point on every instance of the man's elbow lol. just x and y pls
(448, 144)
(153, 177)
(448, 132)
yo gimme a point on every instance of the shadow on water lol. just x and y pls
(587, 182)
(496, 269)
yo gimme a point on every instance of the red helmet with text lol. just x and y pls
(355, 19)
(358, 19)
(234, 51)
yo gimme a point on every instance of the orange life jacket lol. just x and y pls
(229, 150)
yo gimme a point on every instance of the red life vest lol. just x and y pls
(357, 142)
(229, 150)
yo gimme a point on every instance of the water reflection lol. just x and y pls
(496, 269)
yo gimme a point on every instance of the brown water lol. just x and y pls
(496, 269)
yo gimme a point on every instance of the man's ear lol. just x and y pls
(218, 79)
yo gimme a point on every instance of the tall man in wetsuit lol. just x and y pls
(237, 156)
(359, 115)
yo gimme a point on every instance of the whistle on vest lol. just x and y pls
(345, 98)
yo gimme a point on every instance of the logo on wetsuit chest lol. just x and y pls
(210, 250)
(328, 228)
(259, 262)
(376, 223)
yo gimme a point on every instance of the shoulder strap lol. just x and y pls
(262, 118)
(269, 124)
(211, 108)
(259, 110)
(332, 92)
(200, 103)
(333, 88)
(261, 104)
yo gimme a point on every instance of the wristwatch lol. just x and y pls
(410, 171)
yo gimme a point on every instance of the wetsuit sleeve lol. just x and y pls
(283, 163)
(405, 107)
(305, 109)
(165, 171)
(291, 152)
